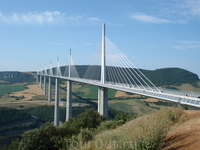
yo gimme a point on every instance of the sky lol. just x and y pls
(153, 34)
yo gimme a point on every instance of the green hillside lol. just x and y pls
(91, 92)
(9, 115)
(16, 77)
(170, 76)
(134, 106)
(160, 77)
(6, 89)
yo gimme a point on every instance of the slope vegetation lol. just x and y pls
(16, 77)
(160, 77)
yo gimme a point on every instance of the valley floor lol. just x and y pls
(185, 136)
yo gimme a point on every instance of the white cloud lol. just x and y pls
(46, 17)
(58, 43)
(33, 17)
(95, 19)
(181, 11)
(189, 42)
(192, 7)
(184, 47)
(88, 44)
(187, 45)
(148, 18)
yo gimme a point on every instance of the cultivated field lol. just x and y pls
(33, 96)
(23, 98)
(28, 93)
(129, 106)
(189, 87)
(7, 89)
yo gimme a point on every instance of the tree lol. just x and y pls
(89, 119)
(122, 116)
(46, 137)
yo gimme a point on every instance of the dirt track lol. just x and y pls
(185, 136)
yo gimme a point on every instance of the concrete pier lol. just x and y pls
(37, 78)
(40, 81)
(56, 110)
(49, 90)
(103, 92)
(69, 100)
(44, 88)
(103, 101)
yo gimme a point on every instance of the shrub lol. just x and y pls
(85, 135)
(47, 137)
(122, 116)
(144, 133)
(107, 125)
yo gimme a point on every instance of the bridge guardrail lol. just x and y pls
(183, 97)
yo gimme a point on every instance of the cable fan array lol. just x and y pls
(73, 72)
(57, 71)
(119, 70)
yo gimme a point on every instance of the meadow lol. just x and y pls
(91, 92)
(7, 88)
(135, 106)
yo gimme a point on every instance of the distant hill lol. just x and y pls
(160, 77)
(170, 76)
(16, 77)
(9, 115)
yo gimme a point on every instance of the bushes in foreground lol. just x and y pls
(52, 137)
(90, 131)
(144, 133)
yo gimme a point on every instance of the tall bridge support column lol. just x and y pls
(103, 101)
(44, 88)
(49, 90)
(37, 78)
(103, 92)
(40, 81)
(69, 100)
(56, 110)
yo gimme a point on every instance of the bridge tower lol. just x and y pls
(37, 79)
(69, 93)
(102, 91)
(56, 110)
(50, 89)
(44, 88)
(41, 78)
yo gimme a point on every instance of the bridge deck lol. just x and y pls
(182, 97)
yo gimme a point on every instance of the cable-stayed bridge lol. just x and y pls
(115, 72)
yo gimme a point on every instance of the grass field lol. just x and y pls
(33, 96)
(129, 106)
(189, 87)
(7, 88)
(91, 92)
(7, 99)
(27, 93)
(198, 84)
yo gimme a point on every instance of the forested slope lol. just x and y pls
(16, 77)
(164, 76)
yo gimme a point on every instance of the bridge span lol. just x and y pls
(121, 75)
